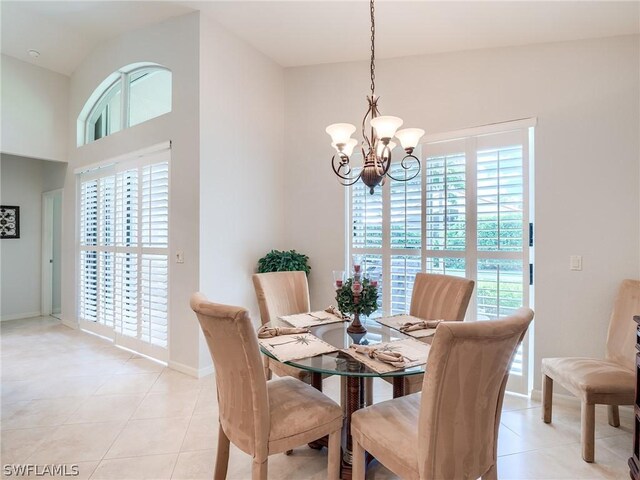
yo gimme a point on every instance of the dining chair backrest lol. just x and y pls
(621, 339)
(462, 395)
(440, 297)
(281, 293)
(242, 388)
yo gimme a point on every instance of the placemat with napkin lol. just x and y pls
(287, 347)
(412, 326)
(391, 356)
(312, 319)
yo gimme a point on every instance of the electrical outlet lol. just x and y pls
(575, 263)
(180, 257)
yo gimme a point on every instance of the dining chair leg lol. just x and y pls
(259, 470)
(588, 416)
(357, 461)
(491, 474)
(547, 398)
(267, 370)
(333, 463)
(222, 457)
(614, 415)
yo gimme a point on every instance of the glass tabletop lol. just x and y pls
(339, 363)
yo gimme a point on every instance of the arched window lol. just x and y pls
(132, 95)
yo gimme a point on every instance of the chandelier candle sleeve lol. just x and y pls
(376, 146)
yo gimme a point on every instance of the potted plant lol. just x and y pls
(277, 261)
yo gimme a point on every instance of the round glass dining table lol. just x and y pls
(358, 377)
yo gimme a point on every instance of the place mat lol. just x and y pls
(312, 319)
(413, 351)
(295, 347)
(396, 321)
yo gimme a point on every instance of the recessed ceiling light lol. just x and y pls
(33, 53)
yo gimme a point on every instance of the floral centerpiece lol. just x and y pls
(357, 296)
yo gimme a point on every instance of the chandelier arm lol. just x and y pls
(353, 182)
(364, 129)
(403, 165)
(342, 165)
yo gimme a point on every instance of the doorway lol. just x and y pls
(51, 253)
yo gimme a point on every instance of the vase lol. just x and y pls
(356, 326)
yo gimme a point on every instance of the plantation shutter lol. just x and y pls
(466, 215)
(124, 264)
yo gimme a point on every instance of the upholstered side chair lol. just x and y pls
(260, 417)
(608, 382)
(450, 430)
(278, 294)
(437, 297)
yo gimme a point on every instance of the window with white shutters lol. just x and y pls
(123, 252)
(467, 214)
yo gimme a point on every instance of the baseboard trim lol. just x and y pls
(69, 323)
(20, 316)
(191, 371)
(568, 400)
(558, 398)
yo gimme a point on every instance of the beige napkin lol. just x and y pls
(334, 311)
(392, 358)
(270, 332)
(422, 325)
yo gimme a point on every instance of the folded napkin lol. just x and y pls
(270, 332)
(392, 358)
(421, 325)
(334, 311)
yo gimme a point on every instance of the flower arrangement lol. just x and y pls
(365, 303)
(357, 295)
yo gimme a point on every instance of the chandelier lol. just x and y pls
(377, 146)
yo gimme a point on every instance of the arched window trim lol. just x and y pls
(121, 77)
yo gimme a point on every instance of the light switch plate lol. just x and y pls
(575, 263)
(180, 257)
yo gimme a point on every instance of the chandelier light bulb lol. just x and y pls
(380, 147)
(340, 132)
(386, 126)
(409, 137)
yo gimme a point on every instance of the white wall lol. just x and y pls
(22, 184)
(241, 164)
(35, 103)
(585, 95)
(174, 44)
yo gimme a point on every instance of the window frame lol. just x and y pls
(122, 77)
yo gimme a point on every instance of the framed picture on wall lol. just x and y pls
(9, 221)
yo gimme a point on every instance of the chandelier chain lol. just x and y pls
(373, 48)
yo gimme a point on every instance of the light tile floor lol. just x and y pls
(70, 397)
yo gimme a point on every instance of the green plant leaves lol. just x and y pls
(368, 298)
(277, 261)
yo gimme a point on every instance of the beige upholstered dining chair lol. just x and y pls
(450, 430)
(261, 418)
(437, 297)
(594, 381)
(278, 294)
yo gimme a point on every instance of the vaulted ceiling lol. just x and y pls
(310, 32)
